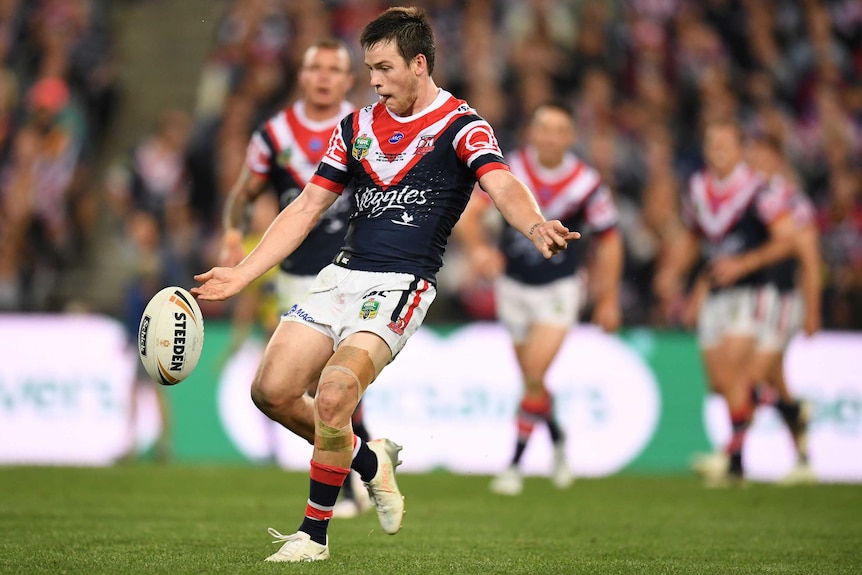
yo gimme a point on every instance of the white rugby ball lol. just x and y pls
(171, 336)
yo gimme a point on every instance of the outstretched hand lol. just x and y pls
(219, 284)
(552, 237)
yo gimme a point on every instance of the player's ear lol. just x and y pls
(419, 64)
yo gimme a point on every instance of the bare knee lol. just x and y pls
(274, 397)
(337, 398)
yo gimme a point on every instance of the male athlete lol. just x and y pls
(742, 226)
(413, 158)
(282, 156)
(538, 300)
(797, 305)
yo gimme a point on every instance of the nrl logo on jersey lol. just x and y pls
(284, 156)
(361, 145)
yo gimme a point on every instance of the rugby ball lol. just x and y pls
(171, 336)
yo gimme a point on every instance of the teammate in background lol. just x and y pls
(538, 300)
(413, 157)
(798, 285)
(740, 225)
(282, 156)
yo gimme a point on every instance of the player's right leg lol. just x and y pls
(292, 362)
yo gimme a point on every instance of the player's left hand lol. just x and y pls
(726, 270)
(551, 237)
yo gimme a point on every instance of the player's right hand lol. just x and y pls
(231, 252)
(219, 284)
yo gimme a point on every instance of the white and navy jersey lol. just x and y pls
(286, 150)
(573, 193)
(783, 275)
(731, 216)
(412, 177)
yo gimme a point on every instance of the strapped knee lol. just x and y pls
(350, 366)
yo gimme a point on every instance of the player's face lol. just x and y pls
(722, 149)
(551, 134)
(395, 80)
(325, 77)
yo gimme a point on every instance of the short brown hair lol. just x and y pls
(408, 28)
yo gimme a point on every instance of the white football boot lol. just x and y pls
(801, 474)
(382, 489)
(297, 548)
(509, 482)
(561, 475)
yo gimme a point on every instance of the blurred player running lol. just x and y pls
(798, 285)
(282, 156)
(740, 225)
(538, 300)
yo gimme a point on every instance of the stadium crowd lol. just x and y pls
(641, 76)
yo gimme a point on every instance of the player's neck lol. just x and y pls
(320, 113)
(426, 96)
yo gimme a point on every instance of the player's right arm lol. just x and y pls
(245, 190)
(283, 236)
(681, 256)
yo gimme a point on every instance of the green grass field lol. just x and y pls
(172, 520)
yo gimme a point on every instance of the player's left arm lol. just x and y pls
(515, 201)
(810, 283)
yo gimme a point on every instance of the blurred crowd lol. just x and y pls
(642, 77)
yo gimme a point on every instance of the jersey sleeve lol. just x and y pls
(259, 153)
(476, 146)
(332, 171)
(600, 210)
(772, 202)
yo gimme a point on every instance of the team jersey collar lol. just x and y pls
(319, 126)
(730, 183)
(442, 97)
(561, 171)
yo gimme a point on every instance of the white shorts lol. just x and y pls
(738, 312)
(519, 305)
(782, 322)
(291, 289)
(342, 302)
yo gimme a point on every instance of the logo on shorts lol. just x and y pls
(297, 311)
(398, 326)
(361, 146)
(369, 309)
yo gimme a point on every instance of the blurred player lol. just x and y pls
(798, 285)
(538, 300)
(282, 156)
(413, 157)
(740, 225)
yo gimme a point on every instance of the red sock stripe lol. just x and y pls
(315, 513)
(539, 406)
(328, 474)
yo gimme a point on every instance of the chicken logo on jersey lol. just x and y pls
(425, 145)
(361, 145)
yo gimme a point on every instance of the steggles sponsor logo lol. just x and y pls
(375, 202)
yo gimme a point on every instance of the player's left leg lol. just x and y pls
(354, 499)
(351, 369)
(535, 355)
